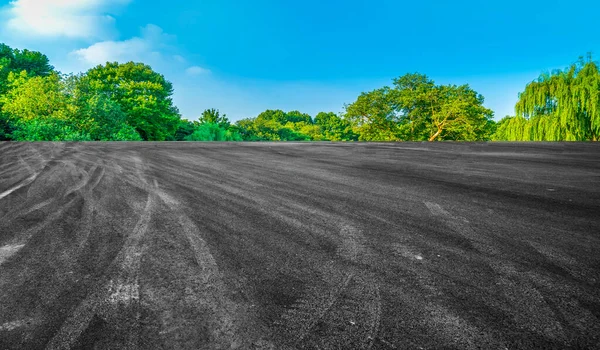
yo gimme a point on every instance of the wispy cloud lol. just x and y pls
(82, 19)
(146, 47)
(197, 70)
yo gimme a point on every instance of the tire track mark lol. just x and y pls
(23, 183)
(347, 311)
(96, 174)
(461, 227)
(210, 290)
(9, 250)
(513, 287)
(305, 313)
(111, 298)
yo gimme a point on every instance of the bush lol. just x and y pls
(212, 132)
(48, 130)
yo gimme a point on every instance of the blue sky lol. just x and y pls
(243, 57)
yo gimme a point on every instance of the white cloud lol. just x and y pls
(144, 48)
(179, 58)
(61, 18)
(196, 70)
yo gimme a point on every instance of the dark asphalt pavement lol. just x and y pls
(299, 246)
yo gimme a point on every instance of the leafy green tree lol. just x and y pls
(457, 113)
(142, 94)
(334, 128)
(417, 109)
(13, 60)
(411, 98)
(103, 120)
(561, 106)
(214, 117)
(512, 129)
(16, 61)
(36, 97)
(373, 116)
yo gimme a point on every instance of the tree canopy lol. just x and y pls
(141, 93)
(560, 106)
(416, 109)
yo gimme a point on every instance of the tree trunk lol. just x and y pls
(434, 136)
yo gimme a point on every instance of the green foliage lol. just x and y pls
(48, 129)
(16, 61)
(276, 125)
(104, 120)
(417, 109)
(213, 132)
(334, 128)
(184, 129)
(132, 102)
(35, 98)
(214, 117)
(373, 116)
(142, 94)
(561, 106)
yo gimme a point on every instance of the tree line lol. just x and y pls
(132, 102)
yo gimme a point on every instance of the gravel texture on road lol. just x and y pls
(299, 245)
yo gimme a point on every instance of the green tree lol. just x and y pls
(561, 106)
(30, 98)
(417, 109)
(213, 116)
(457, 113)
(142, 94)
(103, 120)
(16, 61)
(334, 128)
(374, 116)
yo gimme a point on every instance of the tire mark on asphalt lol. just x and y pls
(23, 238)
(570, 264)
(95, 175)
(210, 288)
(125, 288)
(9, 326)
(109, 299)
(306, 312)
(516, 289)
(350, 309)
(461, 226)
(23, 183)
(9, 250)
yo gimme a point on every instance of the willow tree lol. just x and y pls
(562, 106)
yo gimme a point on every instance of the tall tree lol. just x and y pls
(417, 109)
(457, 113)
(562, 106)
(141, 93)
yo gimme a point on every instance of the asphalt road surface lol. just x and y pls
(299, 246)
